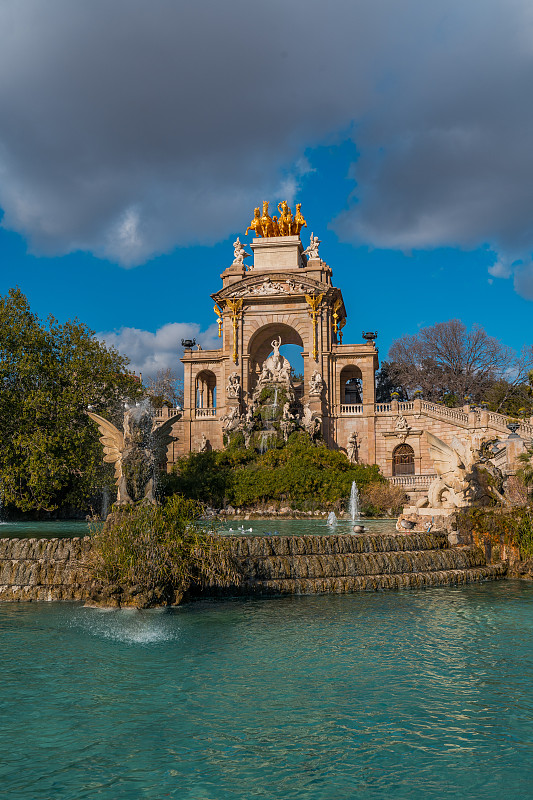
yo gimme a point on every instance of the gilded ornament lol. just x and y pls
(286, 224)
(314, 301)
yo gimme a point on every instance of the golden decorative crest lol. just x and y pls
(235, 306)
(314, 301)
(286, 224)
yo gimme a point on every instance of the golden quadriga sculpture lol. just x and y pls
(286, 224)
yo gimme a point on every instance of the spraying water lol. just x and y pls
(332, 519)
(353, 505)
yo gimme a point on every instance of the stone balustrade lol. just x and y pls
(412, 481)
(205, 412)
(351, 410)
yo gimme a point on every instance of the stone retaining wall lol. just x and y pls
(44, 569)
(57, 569)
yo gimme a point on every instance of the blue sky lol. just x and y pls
(407, 139)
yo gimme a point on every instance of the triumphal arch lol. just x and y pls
(280, 293)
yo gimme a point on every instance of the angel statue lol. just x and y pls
(459, 482)
(136, 452)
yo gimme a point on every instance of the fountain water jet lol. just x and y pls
(354, 509)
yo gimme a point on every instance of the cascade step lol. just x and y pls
(360, 583)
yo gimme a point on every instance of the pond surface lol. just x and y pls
(398, 695)
(43, 530)
(303, 527)
(283, 527)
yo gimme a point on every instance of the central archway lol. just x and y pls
(260, 344)
(260, 347)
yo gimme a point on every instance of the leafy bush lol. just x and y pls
(509, 526)
(160, 547)
(378, 499)
(301, 473)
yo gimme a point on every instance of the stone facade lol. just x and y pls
(287, 294)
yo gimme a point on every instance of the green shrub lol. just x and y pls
(510, 526)
(300, 473)
(160, 547)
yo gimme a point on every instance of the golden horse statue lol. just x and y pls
(283, 225)
(284, 219)
(298, 222)
(255, 224)
(266, 221)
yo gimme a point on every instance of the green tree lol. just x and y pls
(50, 455)
(449, 363)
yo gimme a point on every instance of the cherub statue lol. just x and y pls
(239, 253)
(136, 452)
(255, 224)
(311, 250)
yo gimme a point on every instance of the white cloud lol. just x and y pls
(128, 128)
(150, 352)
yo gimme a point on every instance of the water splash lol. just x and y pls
(127, 625)
(332, 519)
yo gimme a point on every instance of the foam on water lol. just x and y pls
(127, 625)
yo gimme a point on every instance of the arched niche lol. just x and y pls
(351, 385)
(403, 460)
(260, 343)
(260, 347)
(206, 389)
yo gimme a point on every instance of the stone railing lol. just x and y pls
(165, 412)
(383, 408)
(454, 414)
(415, 481)
(526, 430)
(409, 406)
(205, 412)
(351, 410)
(501, 421)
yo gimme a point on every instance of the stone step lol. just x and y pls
(356, 564)
(360, 583)
(263, 546)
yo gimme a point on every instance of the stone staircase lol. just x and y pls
(348, 563)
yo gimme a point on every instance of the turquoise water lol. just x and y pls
(302, 527)
(396, 695)
(43, 530)
(299, 527)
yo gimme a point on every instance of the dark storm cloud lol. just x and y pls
(128, 127)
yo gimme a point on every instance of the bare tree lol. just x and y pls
(165, 388)
(449, 363)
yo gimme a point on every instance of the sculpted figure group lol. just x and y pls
(286, 224)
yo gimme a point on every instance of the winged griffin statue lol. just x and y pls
(463, 475)
(135, 452)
